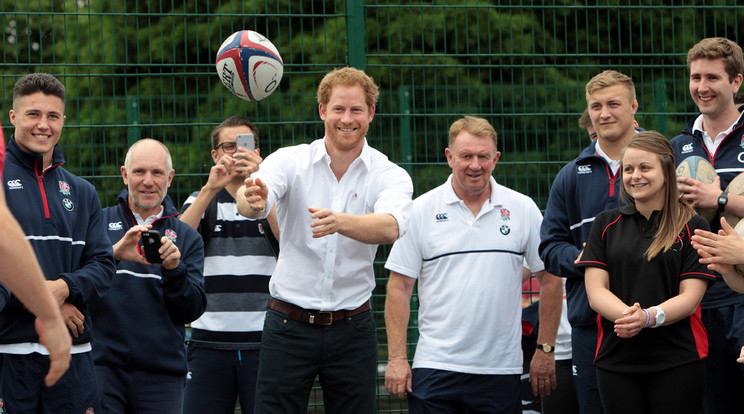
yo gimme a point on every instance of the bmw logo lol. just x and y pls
(505, 230)
(68, 204)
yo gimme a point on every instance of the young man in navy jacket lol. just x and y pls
(717, 135)
(61, 217)
(139, 354)
(583, 188)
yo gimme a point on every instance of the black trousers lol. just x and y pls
(562, 400)
(343, 356)
(678, 390)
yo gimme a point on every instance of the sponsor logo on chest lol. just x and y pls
(15, 184)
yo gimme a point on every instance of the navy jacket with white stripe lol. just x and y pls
(582, 189)
(61, 216)
(728, 160)
(140, 321)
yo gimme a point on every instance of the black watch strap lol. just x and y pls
(722, 201)
(547, 348)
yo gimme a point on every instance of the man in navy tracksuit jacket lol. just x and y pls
(61, 216)
(583, 188)
(717, 134)
(140, 354)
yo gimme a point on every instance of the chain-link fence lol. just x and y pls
(139, 68)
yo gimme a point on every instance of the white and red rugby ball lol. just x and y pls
(249, 65)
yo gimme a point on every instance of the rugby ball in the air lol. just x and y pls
(249, 65)
(736, 186)
(700, 169)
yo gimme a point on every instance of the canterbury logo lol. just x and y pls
(584, 169)
(687, 148)
(115, 226)
(15, 184)
(441, 217)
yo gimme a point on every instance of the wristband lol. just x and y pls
(648, 318)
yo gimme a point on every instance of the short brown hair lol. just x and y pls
(38, 82)
(610, 78)
(476, 126)
(348, 77)
(718, 48)
(233, 121)
(585, 121)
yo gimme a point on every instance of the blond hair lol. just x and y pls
(610, 78)
(476, 126)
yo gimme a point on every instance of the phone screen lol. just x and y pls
(246, 141)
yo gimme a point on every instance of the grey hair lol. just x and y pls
(128, 158)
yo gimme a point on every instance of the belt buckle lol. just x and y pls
(311, 318)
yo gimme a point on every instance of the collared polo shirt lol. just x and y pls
(332, 272)
(469, 271)
(710, 144)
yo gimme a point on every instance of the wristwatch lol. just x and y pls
(660, 317)
(547, 348)
(722, 201)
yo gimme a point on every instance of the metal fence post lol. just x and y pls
(355, 33)
(404, 98)
(132, 119)
(661, 106)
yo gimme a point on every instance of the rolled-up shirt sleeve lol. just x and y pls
(396, 189)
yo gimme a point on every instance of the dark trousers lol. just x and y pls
(562, 400)
(583, 350)
(23, 389)
(343, 356)
(678, 390)
(217, 378)
(139, 392)
(446, 392)
(724, 391)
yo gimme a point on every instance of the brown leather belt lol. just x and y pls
(315, 317)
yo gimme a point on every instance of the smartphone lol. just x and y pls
(246, 141)
(151, 243)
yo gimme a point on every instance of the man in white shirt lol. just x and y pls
(466, 243)
(337, 199)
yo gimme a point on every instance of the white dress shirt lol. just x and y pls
(332, 272)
